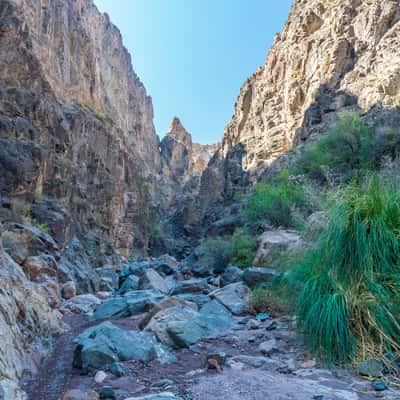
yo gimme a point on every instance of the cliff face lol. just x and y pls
(76, 123)
(182, 163)
(347, 49)
(331, 55)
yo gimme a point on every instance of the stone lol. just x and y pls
(235, 297)
(131, 283)
(278, 239)
(181, 325)
(231, 275)
(372, 368)
(218, 356)
(269, 347)
(107, 393)
(270, 325)
(158, 396)
(133, 303)
(105, 344)
(82, 304)
(153, 280)
(379, 386)
(100, 377)
(108, 278)
(255, 276)
(199, 299)
(262, 317)
(253, 324)
(192, 286)
(68, 290)
(117, 369)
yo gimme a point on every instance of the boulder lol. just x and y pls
(82, 304)
(282, 240)
(182, 326)
(136, 268)
(133, 303)
(235, 297)
(108, 278)
(231, 275)
(192, 286)
(199, 299)
(68, 290)
(269, 347)
(130, 284)
(153, 280)
(372, 368)
(38, 265)
(254, 276)
(106, 343)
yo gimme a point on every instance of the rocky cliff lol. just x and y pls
(79, 160)
(182, 163)
(331, 55)
(76, 123)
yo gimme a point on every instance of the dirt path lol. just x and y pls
(55, 374)
(247, 376)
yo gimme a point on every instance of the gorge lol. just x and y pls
(115, 277)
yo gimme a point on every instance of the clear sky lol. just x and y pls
(194, 55)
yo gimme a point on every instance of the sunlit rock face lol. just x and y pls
(182, 163)
(348, 46)
(76, 122)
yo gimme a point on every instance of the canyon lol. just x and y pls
(91, 199)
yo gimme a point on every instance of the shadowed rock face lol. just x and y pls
(75, 121)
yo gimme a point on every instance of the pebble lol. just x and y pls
(269, 347)
(253, 324)
(100, 377)
(117, 369)
(379, 386)
(262, 317)
(107, 393)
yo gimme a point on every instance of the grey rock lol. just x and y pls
(192, 286)
(254, 276)
(372, 368)
(269, 347)
(231, 275)
(235, 297)
(153, 280)
(130, 284)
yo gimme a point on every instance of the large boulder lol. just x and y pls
(131, 283)
(278, 240)
(192, 286)
(235, 297)
(231, 275)
(133, 303)
(151, 279)
(82, 304)
(254, 276)
(106, 343)
(182, 326)
(108, 278)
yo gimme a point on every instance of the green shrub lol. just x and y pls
(271, 299)
(274, 203)
(244, 249)
(218, 252)
(387, 144)
(22, 211)
(347, 149)
(41, 226)
(349, 285)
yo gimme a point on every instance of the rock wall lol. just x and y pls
(331, 55)
(182, 163)
(75, 121)
(348, 46)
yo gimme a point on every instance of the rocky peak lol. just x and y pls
(182, 162)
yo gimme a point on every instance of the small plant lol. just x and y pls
(273, 203)
(218, 252)
(244, 249)
(270, 299)
(22, 211)
(346, 150)
(41, 226)
(98, 217)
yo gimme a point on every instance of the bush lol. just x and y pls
(244, 249)
(218, 252)
(22, 212)
(41, 226)
(346, 150)
(349, 285)
(274, 203)
(270, 299)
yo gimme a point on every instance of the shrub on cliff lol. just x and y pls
(244, 249)
(345, 151)
(275, 203)
(349, 285)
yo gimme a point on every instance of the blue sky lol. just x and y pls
(194, 55)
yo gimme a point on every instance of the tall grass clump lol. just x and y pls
(349, 284)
